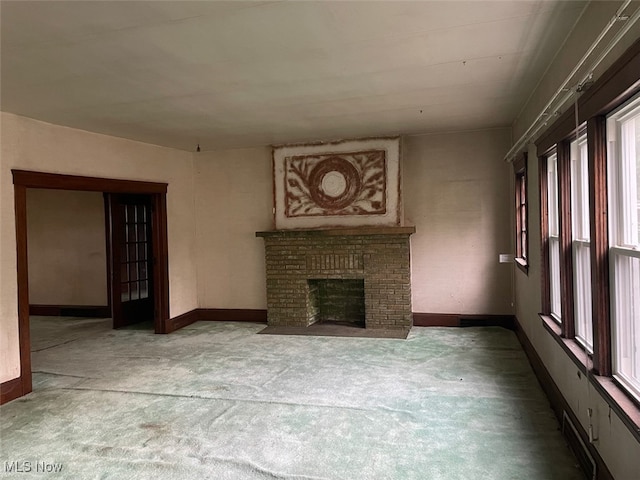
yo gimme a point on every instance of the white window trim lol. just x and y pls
(581, 243)
(554, 240)
(623, 235)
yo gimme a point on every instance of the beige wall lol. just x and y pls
(456, 193)
(67, 248)
(234, 200)
(32, 145)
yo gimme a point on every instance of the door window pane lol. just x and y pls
(134, 290)
(142, 251)
(144, 289)
(133, 252)
(133, 271)
(142, 232)
(131, 232)
(131, 214)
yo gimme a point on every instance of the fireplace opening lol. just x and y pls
(338, 301)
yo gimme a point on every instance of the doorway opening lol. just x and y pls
(149, 265)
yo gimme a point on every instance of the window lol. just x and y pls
(554, 237)
(522, 242)
(581, 245)
(566, 235)
(623, 135)
(590, 235)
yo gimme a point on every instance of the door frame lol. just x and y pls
(23, 179)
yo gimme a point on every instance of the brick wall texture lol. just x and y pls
(294, 258)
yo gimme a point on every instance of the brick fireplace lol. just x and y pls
(359, 275)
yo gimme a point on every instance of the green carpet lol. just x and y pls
(217, 401)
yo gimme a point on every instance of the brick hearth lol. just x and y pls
(298, 260)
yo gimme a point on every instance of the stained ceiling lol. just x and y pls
(236, 74)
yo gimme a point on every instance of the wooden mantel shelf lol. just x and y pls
(335, 232)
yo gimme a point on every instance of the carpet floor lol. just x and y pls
(216, 401)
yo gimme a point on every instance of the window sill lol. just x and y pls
(522, 264)
(620, 402)
(573, 349)
(618, 399)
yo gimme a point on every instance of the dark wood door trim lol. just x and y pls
(113, 260)
(160, 263)
(22, 180)
(56, 181)
(107, 241)
(24, 336)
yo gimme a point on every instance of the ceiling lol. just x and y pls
(236, 74)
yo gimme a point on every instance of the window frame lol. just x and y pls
(564, 316)
(581, 240)
(521, 213)
(621, 246)
(615, 87)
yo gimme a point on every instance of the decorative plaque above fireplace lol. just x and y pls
(346, 183)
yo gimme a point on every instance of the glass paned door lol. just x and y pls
(132, 259)
(136, 245)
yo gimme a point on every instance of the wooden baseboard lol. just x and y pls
(183, 320)
(436, 320)
(90, 311)
(217, 315)
(10, 390)
(419, 319)
(559, 404)
(462, 320)
(232, 315)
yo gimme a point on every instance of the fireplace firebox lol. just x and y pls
(337, 301)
